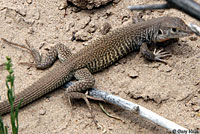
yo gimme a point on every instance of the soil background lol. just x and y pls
(171, 90)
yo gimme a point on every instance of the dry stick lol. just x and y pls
(109, 115)
(194, 28)
(189, 7)
(127, 105)
(149, 7)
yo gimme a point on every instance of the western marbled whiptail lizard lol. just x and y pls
(99, 54)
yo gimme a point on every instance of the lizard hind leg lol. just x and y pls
(17, 45)
(58, 51)
(85, 81)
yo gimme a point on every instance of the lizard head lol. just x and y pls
(171, 28)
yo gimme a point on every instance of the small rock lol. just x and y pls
(42, 45)
(110, 128)
(84, 22)
(73, 36)
(92, 29)
(76, 9)
(155, 65)
(132, 74)
(36, 15)
(193, 38)
(116, 64)
(196, 108)
(122, 70)
(82, 36)
(30, 30)
(161, 11)
(29, 1)
(106, 28)
(89, 4)
(116, 1)
(107, 14)
(125, 18)
(193, 67)
(123, 61)
(136, 20)
(148, 12)
(70, 26)
(63, 5)
(159, 99)
(22, 12)
(165, 68)
(42, 112)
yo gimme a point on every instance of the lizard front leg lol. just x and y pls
(155, 55)
(85, 81)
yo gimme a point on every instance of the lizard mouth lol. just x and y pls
(163, 40)
(167, 42)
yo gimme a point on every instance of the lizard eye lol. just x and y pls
(174, 30)
(160, 31)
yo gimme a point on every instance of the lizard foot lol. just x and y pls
(77, 95)
(27, 47)
(160, 54)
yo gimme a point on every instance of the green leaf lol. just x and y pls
(10, 71)
(2, 130)
(8, 58)
(11, 98)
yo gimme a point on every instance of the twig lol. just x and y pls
(189, 7)
(109, 115)
(149, 7)
(194, 28)
(127, 105)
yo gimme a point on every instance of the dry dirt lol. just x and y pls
(172, 90)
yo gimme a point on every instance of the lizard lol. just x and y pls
(98, 55)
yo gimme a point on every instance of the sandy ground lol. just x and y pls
(171, 90)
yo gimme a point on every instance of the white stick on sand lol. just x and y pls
(127, 105)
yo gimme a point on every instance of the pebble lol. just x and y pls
(92, 29)
(42, 112)
(132, 74)
(165, 68)
(29, 1)
(82, 36)
(105, 28)
(84, 22)
(192, 38)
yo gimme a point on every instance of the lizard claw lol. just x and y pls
(160, 54)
